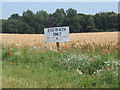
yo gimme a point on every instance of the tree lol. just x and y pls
(29, 18)
(82, 22)
(72, 20)
(59, 16)
(105, 21)
(50, 21)
(0, 25)
(90, 26)
(15, 16)
(31, 22)
(40, 18)
(118, 26)
(16, 26)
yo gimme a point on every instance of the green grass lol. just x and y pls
(58, 70)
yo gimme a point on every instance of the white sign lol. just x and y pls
(56, 34)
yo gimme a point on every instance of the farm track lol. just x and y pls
(76, 39)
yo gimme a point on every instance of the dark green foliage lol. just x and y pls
(106, 20)
(31, 22)
(16, 26)
(59, 16)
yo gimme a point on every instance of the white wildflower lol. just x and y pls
(34, 47)
(78, 71)
(17, 53)
(105, 62)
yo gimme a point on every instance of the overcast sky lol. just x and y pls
(9, 8)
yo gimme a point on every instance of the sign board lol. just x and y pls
(56, 34)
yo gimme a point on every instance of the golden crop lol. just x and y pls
(77, 40)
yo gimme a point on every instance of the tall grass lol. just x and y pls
(68, 68)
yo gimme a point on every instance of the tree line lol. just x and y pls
(34, 23)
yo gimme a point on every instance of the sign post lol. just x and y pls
(56, 35)
(57, 44)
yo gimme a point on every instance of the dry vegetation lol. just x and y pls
(78, 40)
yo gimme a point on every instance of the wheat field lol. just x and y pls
(77, 40)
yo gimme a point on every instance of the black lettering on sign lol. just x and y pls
(57, 34)
(60, 29)
(56, 29)
(64, 29)
(48, 30)
(47, 37)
